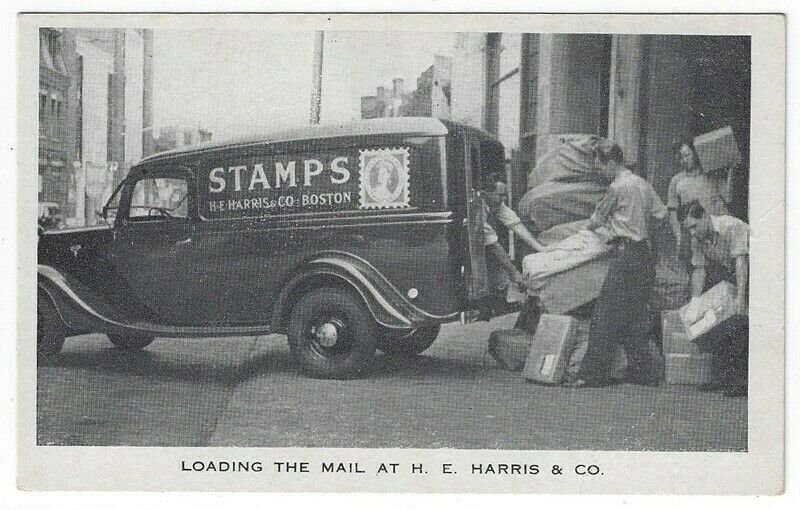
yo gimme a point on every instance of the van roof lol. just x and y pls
(414, 126)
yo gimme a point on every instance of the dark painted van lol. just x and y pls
(347, 238)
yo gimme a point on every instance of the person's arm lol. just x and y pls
(698, 280)
(522, 231)
(742, 272)
(673, 203)
(696, 283)
(511, 220)
(727, 189)
(676, 226)
(740, 249)
(501, 256)
(603, 210)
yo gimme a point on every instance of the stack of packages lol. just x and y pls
(692, 330)
(563, 190)
(684, 362)
(543, 356)
(551, 355)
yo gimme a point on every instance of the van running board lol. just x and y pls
(199, 331)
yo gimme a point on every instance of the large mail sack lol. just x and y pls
(564, 186)
(572, 161)
(554, 203)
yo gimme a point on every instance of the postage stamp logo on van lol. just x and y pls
(383, 178)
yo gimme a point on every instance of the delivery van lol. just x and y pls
(346, 238)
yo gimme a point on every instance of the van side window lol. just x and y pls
(159, 198)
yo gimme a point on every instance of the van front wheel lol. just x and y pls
(331, 334)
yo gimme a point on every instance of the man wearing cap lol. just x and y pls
(626, 215)
(722, 241)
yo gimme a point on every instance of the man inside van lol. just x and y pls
(502, 271)
(722, 241)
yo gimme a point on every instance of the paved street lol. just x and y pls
(245, 392)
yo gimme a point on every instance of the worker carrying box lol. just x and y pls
(717, 320)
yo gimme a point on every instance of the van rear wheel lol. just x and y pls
(130, 342)
(404, 342)
(50, 330)
(331, 334)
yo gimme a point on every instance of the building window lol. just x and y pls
(52, 118)
(59, 118)
(52, 44)
(42, 114)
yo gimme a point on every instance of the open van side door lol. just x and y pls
(476, 274)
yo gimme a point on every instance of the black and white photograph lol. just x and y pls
(310, 236)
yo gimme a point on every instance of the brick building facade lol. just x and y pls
(95, 114)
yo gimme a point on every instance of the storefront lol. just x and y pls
(646, 92)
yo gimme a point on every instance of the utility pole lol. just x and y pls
(316, 86)
(148, 144)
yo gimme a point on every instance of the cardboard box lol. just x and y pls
(717, 150)
(714, 307)
(674, 338)
(683, 368)
(509, 347)
(551, 349)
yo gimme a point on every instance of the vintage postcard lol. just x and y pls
(401, 253)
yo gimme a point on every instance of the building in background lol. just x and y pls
(171, 137)
(101, 121)
(644, 91)
(431, 98)
(54, 82)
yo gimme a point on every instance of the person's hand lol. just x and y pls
(740, 304)
(692, 314)
(519, 279)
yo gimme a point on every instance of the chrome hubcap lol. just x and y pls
(327, 333)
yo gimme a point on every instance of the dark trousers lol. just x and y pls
(730, 342)
(621, 316)
(732, 352)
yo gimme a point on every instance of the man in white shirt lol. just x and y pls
(629, 212)
(722, 241)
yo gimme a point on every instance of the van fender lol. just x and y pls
(386, 304)
(81, 310)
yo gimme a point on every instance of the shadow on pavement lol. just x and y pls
(234, 361)
(424, 365)
(222, 362)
